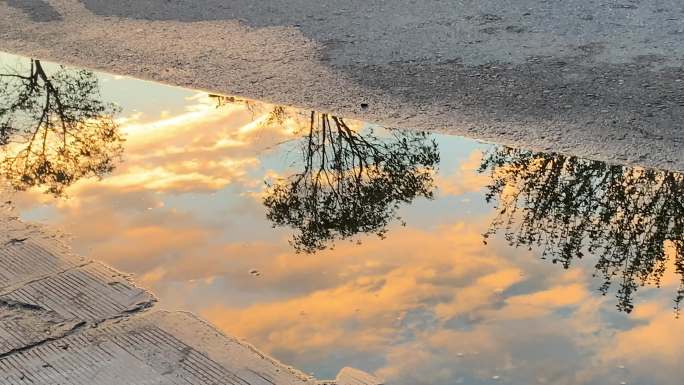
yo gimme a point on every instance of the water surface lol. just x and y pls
(327, 242)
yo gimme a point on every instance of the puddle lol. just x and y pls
(327, 242)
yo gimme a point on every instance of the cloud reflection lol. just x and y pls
(428, 305)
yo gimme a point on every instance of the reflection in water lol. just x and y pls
(428, 304)
(351, 182)
(54, 129)
(630, 219)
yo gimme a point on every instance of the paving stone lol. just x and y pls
(45, 294)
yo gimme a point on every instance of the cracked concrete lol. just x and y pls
(159, 348)
(597, 80)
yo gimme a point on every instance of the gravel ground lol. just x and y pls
(602, 80)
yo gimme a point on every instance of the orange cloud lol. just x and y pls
(465, 178)
(431, 302)
(373, 285)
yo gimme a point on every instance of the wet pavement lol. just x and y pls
(331, 243)
(601, 80)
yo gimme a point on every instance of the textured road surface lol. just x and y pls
(602, 80)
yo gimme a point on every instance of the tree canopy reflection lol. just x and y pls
(351, 182)
(631, 219)
(54, 128)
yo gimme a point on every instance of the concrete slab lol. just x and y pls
(90, 293)
(23, 259)
(602, 80)
(45, 296)
(351, 376)
(159, 348)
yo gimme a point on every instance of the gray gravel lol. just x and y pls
(602, 80)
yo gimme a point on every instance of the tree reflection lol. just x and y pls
(54, 129)
(631, 218)
(351, 182)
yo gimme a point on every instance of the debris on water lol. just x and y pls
(495, 377)
(255, 272)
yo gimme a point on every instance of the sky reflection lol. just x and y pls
(429, 304)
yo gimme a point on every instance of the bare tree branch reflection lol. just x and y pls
(631, 218)
(54, 129)
(351, 182)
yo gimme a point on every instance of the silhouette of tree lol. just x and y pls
(351, 182)
(54, 129)
(276, 115)
(630, 218)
